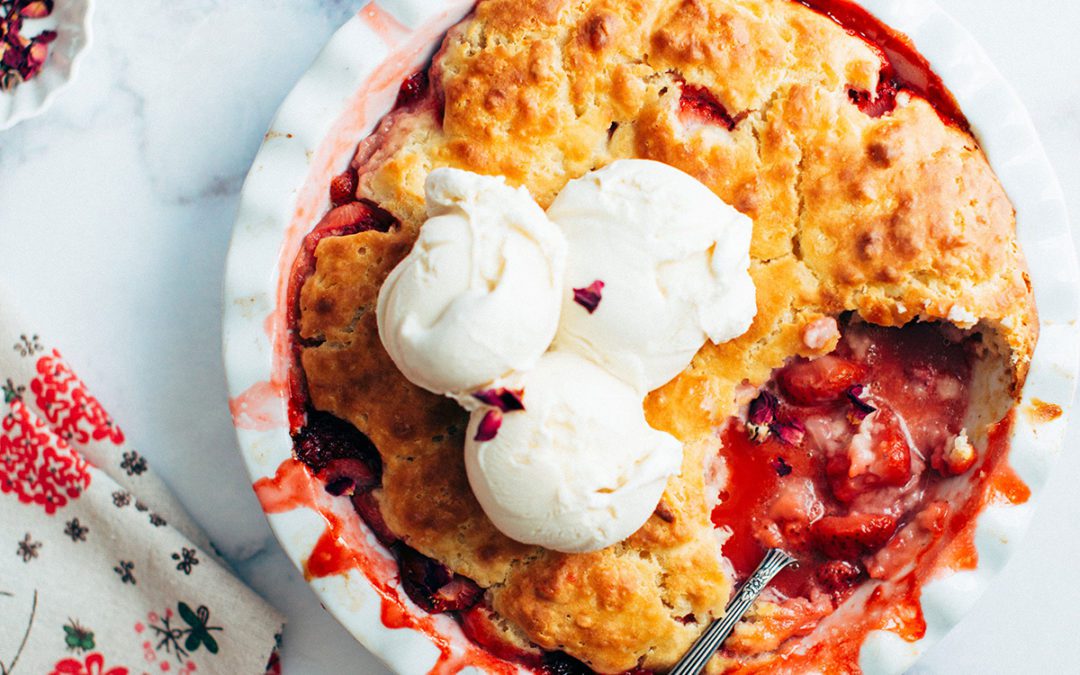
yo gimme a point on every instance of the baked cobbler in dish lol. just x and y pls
(859, 424)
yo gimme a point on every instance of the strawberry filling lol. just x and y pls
(857, 495)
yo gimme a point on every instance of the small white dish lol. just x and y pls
(71, 21)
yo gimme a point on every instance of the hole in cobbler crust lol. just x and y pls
(867, 489)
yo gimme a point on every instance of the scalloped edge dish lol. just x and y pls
(72, 20)
(314, 135)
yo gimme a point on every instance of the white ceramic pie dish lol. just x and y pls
(354, 82)
(71, 19)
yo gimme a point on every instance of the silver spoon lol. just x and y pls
(694, 660)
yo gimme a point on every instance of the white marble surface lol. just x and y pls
(115, 211)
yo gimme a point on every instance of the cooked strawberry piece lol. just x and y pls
(412, 89)
(478, 623)
(697, 101)
(882, 459)
(325, 438)
(343, 187)
(461, 593)
(823, 380)
(934, 517)
(881, 103)
(852, 536)
(838, 575)
(955, 457)
(347, 476)
(349, 219)
(368, 508)
(432, 585)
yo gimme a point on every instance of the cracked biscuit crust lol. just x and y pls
(897, 218)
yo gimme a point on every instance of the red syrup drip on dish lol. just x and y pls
(342, 547)
(903, 67)
(919, 377)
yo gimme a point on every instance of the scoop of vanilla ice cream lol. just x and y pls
(673, 258)
(578, 469)
(479, 295)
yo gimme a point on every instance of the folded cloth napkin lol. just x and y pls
(101, 570)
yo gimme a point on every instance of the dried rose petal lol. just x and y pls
(35, 9)
(489, 425)
(13, 56)
(37, 54)
(857, 396)
(762, 414)
(791, 432)
(590, 296)
(506, 400)
(45, 37)
(10, 25)
(782, 468)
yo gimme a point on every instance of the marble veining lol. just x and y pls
(115, 215)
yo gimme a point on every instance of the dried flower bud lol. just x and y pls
(791, 432)
(762, 414)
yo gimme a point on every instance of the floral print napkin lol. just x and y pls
(101, 570)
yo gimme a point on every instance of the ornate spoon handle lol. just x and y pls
(695, 659)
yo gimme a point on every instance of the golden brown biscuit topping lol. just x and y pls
(895, 218)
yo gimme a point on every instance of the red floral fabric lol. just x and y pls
(36, 465)
(72, 412)
(94, 664)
